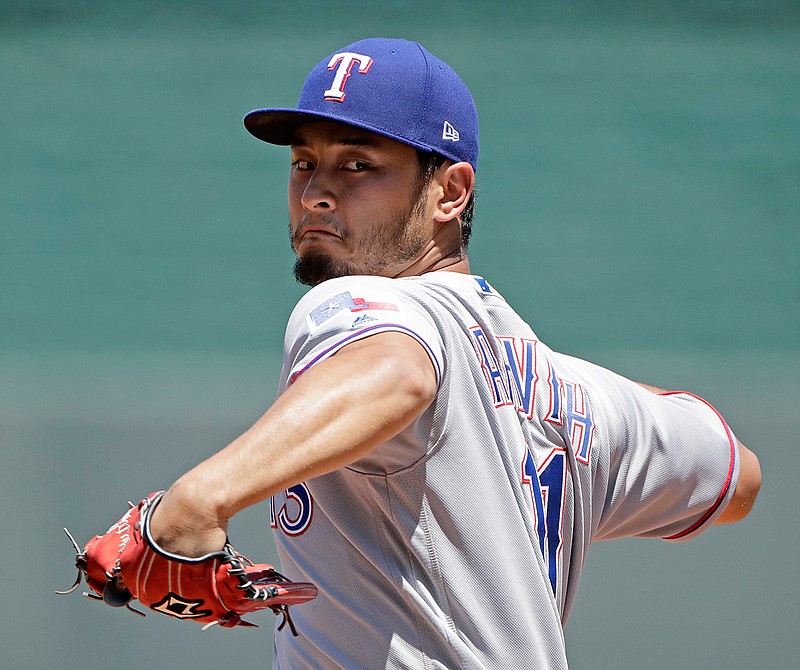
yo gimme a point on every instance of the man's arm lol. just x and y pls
(749, 479)
(333, 414)
(746, 489)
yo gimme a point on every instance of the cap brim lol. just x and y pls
(278, 126)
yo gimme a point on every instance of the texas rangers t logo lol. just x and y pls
(345, 61)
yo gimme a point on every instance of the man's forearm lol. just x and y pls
(336, 412)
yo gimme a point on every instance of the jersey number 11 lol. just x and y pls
(547, 493)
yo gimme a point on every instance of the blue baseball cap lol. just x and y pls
(392, 87)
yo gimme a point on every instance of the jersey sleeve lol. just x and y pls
(342, 311)
(672, 468)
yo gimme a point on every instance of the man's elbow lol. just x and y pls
(744, 497)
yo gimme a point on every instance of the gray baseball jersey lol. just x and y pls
(460, 542)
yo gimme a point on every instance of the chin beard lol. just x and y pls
(396, 242)
(313, 269)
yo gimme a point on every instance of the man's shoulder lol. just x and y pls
(331, 303)
(361, 285)
(360, 293)
(344, 291)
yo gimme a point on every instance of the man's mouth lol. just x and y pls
(312, 231)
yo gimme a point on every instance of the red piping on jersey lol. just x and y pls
(729, 478)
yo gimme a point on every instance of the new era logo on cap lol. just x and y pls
(392, 87)
(449, 132)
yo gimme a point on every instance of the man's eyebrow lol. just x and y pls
(347, 141)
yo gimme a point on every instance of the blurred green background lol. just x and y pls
(639, 198)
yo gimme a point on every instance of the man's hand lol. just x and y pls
(126, 564)
(185, 524)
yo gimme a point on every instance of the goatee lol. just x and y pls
(315, 268)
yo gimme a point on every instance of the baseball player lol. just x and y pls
(432, 467)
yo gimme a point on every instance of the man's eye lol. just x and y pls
(356, 166)
(300, 164)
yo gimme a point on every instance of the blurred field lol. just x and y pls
(639, 198)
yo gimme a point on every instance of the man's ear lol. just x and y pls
(457, 181)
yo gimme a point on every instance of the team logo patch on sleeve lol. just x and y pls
(345, 301)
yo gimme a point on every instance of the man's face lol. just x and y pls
(357, 204)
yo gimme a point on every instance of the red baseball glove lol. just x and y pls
(218, 588)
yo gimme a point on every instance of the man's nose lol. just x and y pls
(318, 194)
